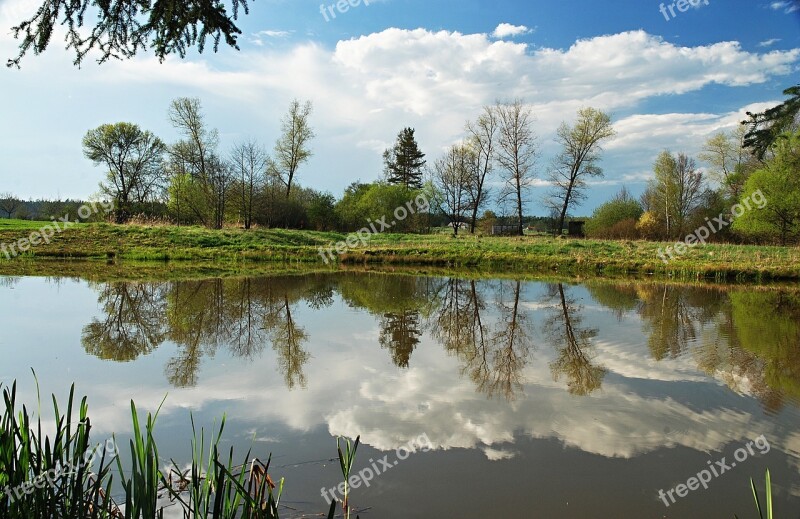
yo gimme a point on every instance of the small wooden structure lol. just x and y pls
(575, 229)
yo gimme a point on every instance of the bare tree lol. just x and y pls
(452, 175)
(517, 152)
(249, 162)
(292, 149)
(195, 156)
(674, 192)
(9, 204)
(483, 140)
(580, 153)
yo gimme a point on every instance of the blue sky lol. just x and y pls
(432, 65)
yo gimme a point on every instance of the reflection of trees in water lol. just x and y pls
(673, 317)
(748, 337)
(287, 341)
(134, 321)
(563, 329)
(241, 315)
(745, 336)
(763, 328)
(398, 302)
(400, 333)
(492, 357)
(8, 282)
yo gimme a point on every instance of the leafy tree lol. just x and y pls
(452, 175)
(322, 211)
(9, 204)
(616, 218)
(134, 161)
(765, 128)
(778, 185)
(292, 150)
(517, 151)
(674, 193)
(483, 141)
(580, 153)
(404, 162)
(730, 163)
(124, 27)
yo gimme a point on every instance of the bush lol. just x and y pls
(616, 219)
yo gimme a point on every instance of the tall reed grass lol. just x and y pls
(64, 476)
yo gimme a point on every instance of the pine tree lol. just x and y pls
(405, 162)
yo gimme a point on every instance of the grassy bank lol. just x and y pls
(241, 251)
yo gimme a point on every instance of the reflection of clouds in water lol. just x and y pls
(354, 390)
(388, 407)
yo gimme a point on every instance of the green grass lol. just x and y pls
(244, 251)
(58, 475)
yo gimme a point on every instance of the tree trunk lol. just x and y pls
(520, 231)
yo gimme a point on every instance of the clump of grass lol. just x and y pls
(215, 486)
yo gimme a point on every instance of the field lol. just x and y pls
(237, 249)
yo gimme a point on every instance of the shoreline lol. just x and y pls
(135, 248)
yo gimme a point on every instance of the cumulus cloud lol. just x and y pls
(365, 87)
(507, 30)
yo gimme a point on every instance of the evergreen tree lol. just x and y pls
(405, 161)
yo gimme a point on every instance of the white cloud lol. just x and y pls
(366, 88)
(507, 30)
(787, 6)
(259, 38)
(769, 43)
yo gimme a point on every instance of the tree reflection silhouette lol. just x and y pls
(745, 336)
(563, 328)
(134, 323)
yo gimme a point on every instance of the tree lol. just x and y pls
(195, 158)
(404, 162)
(777, 185)
(124, 27)
(765, 128)
(249, 162)
(452, 175)
(674, 192)
(292, 150)
(517, 152)
(9, 204)
(580, 153)
(134, 161)
(483, 140)
(616, 219)
(730, 163)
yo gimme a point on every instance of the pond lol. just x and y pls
(506, 398)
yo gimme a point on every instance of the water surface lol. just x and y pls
(540, 399)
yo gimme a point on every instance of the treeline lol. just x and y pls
(192, 181)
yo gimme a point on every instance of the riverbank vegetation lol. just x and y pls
(247, 251)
